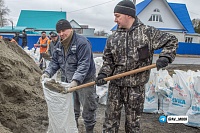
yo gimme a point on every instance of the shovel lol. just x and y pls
(112, 77)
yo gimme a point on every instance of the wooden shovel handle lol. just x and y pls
(113, 77)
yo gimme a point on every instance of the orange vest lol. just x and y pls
(1, 37)
(43, 41)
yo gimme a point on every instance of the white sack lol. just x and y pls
(181, 99)
(151, 97)
(60, 112)
(194, 112)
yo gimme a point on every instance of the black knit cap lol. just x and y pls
(53, 34)
(125, 7)
(63, 24)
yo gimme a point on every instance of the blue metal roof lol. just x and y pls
(180, 10)
(139, 7)
(40, 19)
(170, 29)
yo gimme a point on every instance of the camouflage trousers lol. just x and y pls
(132, 98)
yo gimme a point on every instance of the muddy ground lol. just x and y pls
(149, 122)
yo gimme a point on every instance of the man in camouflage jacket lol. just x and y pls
(131, 47)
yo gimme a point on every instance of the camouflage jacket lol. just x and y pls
(132, 49)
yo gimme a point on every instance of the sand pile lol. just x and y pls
(22, 105)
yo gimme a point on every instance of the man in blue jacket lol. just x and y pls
(75, 59)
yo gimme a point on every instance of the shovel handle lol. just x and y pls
(113, 77)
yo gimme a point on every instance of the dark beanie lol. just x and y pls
(62, 25)
(125, 7)
(53, 34)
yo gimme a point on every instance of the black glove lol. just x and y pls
(100, 79)
(162, 62)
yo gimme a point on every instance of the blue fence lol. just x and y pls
(98, 44)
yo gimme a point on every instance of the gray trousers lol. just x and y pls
(132, 98)
(87, 98)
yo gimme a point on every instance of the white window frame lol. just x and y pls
(188, 39)
(156, 10)
(155, 18)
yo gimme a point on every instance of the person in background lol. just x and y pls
(16, 37)
(131, 47)
(7, 39)
(24, 38)
(42, 43)
(75, 59)
(55, 39)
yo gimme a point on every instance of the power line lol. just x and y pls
(194, 13)
(91, 6)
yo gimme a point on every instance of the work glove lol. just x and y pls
(162, 62)
(100, 79)
(73, 84)
(45, 75)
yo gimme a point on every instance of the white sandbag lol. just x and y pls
(98, 63)
(151, 97)
(60, 112)
(194, 112)
(190, 80)
(164, 83)
(102, 93)
(164, 102)
(34, 54)
(181, 100)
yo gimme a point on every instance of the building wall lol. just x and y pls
(181, 37)
(168, 17)
(88, 32)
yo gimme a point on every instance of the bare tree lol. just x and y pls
(196, 25)
(3, 12)
(101, 33)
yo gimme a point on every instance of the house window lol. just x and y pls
(156, 10)
(156, 18)
(188, 39)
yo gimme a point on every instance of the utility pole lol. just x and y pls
(11, 22)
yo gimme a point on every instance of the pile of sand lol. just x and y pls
(22, 105)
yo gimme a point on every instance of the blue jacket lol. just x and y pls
(77, 64)
(52, 46)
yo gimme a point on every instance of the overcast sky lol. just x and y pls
(97, 14)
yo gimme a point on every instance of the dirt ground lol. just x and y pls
(23, 108)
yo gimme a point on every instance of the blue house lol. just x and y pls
(170, 17)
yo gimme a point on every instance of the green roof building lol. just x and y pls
(40, 20)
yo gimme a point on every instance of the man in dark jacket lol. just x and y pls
(75, 59)
(131, 47)
(55, 39)
(24, 38)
